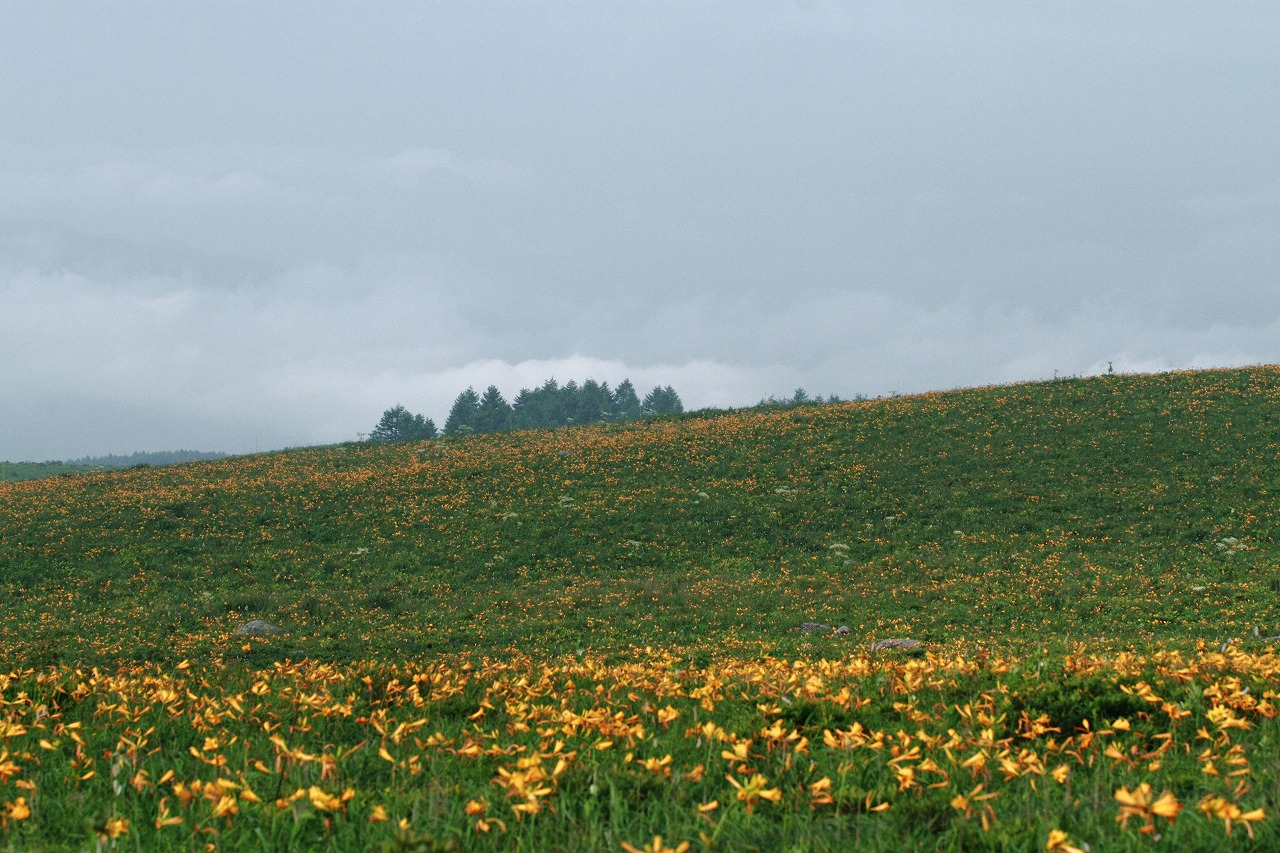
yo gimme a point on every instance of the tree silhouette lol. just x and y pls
(662, 401)
(493, 413)
(594, 403)
(548, 406)
(399, 424)
(464, 414)
(626, 404)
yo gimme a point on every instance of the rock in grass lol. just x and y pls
(896, 643)
(257, 626)
(810, 627)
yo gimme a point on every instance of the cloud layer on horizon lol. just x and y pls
(733, 199)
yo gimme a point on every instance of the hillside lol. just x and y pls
(15, 471)
(586, 639)
(1115, 510)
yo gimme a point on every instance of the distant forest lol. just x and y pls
(547, 406)
(159, 457)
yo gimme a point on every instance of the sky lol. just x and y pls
(239, 226)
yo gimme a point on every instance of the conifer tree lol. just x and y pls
(550, 404)
(595, 403)
(553, 405)
(524, 410)
(539, 408)
(463, 415)
(662, 401)
(493, 413)
(569, 395)
(674, 405)
(399, 424)
(626, 405)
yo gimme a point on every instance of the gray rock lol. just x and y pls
(896, 643)
(257, 626)
(810, 627)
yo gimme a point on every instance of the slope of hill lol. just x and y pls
(149, 457)
(12, 472)
(16, 471)
(1124, 509)
(585, 639)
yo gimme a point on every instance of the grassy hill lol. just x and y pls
(584, 638)
(1135, 508)
(11, 472)
(16, 471)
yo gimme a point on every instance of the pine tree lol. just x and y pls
(540, 408)
(462, 417)
(524, 410)
(494, 413)
(569, 395)
(626, 405)
(595, 403)
(662, 401)
(551, 411)
(399, 424)
(553, 405)
(674, 405)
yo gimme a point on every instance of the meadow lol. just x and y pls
(14, 471)
(587, 638)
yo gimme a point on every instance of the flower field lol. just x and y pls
(1117, 751)
(587, 638)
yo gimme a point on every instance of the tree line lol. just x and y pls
(158, 457)
(547, 406)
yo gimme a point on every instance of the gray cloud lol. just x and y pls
(221, 228)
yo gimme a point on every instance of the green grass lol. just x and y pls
(12, 472)
(238, 755)
(1084, 509)
(1033, 524)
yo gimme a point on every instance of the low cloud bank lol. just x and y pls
(115, 363)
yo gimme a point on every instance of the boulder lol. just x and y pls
(257, 626)
(810, 627)
(896, 643)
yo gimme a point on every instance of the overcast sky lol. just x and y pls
(242, 225)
